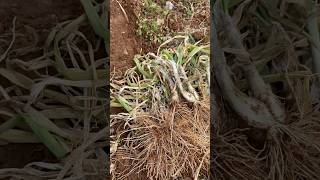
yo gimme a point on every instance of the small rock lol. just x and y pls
(125, 52)
(169, 5)
(160, 21)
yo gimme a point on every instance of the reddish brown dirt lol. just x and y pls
(42, 16)
(124, 43)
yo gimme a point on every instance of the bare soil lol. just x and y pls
(41, 16)
(124, 43)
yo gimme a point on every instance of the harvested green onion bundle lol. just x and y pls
(165, 131)
(270, 137)
(58, 99)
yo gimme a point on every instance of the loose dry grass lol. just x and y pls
(165, 144)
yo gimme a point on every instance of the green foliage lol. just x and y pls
(151, 21)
